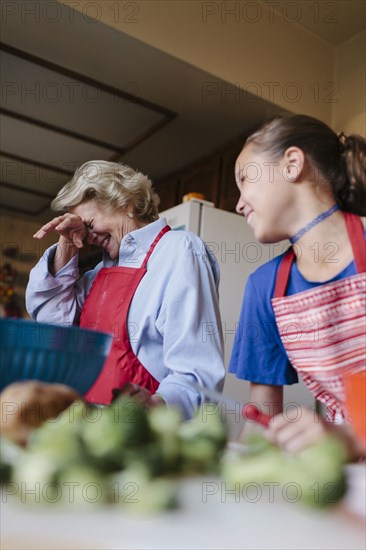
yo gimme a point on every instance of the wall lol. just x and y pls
(17, 233)
(349, 113)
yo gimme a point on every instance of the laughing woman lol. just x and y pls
(155, 290)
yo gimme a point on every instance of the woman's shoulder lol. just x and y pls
(184, 239)
(181, 244)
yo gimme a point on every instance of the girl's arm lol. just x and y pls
(268, 399)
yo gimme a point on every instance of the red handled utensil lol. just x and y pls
(249, 411)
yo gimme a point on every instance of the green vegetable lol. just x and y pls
(119, 452)
(126, 454)
(202, 440)
(315, 476)
(83, 485)
(139, 493)
(164, 454)
(8, 453)
(122, 425)
(323, 463)
(5, 472)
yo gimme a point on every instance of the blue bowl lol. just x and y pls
(51, 353)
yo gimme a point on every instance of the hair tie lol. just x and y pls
(343, 141)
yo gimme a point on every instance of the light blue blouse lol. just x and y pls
(174, 320)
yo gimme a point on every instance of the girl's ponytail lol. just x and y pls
(350, 190)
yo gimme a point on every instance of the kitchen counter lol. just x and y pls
(209, 518)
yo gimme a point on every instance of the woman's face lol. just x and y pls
(105, 229)
(265, 195)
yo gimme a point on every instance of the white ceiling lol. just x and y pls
(334, 21)
(74, 92)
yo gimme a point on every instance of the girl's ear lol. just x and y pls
(294, 163)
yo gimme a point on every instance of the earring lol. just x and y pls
(130, 214)
(290, 175)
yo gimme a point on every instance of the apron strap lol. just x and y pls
(283, 274)
(155, 242)
(355, 231)
(356, 235)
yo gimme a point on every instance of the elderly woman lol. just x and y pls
(155, 290)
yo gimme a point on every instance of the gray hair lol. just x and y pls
(112, 186)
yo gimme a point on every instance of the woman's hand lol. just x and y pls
(142, 395)
(72, 231)
(71, 228)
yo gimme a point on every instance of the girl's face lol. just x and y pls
(105, 229)
(265, 195)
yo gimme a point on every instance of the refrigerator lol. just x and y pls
(238, 253)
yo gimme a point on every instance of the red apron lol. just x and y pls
(106, 309)
(324, 329)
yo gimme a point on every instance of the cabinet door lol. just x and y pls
(168, 192)
(202, 178)
(229, 193)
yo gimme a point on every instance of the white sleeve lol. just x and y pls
(57, 298)
(190, 323)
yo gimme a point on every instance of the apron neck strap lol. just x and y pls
(355, 232)
(283, 274)
(155, 242)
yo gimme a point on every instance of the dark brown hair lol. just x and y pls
(339, 158)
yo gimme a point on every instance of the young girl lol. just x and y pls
(304, 311)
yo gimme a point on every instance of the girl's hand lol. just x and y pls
(294, 435)
(71, 228)
(309, 428)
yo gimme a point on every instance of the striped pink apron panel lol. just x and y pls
(323, 329)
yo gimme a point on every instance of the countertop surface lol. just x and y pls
(209, 517)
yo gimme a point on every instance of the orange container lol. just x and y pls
(355, 385)
(189, 196)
